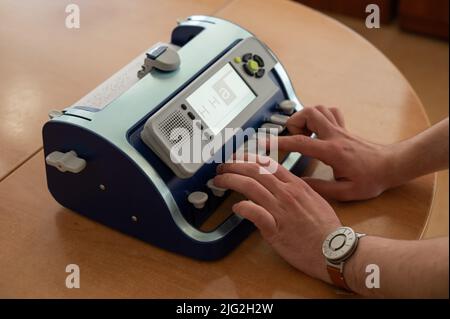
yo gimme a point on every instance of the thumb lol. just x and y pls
(341, 191)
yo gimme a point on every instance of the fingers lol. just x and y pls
(341, 191)
(306, 146)
(327, 113)
(247, 186)
(254, 171)
(310, 119)
(338, 116)
(259, 216)
(253, 167)
(318, 119)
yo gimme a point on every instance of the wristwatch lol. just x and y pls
(337, 248)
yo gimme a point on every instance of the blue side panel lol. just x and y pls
(128, 192)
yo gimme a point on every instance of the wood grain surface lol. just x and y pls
(46, 66)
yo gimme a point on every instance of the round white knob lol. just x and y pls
(287, 106)
(217, 191)
(198, 199)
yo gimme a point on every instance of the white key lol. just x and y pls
(279, 119)
(198, 199)
(217, 191)
(276, 129)
(287, 106)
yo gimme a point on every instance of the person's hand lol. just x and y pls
(360, 168)
(291, 217)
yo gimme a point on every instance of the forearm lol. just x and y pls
(406, 268)
(422, 154)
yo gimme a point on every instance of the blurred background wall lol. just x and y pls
(428, 17)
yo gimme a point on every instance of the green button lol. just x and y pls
(253, 66)
(238, 59)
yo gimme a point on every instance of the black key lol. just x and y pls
(184, 107)
(260, 73)
(247, 57)
(192, 116)
(200, 126)
(258, 59)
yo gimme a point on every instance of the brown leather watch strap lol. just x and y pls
(337, 277)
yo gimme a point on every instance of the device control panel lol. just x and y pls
(225, 96)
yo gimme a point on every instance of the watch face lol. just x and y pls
(339, 244)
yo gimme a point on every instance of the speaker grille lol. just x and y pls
(178, 122)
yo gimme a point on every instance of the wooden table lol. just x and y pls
(48, 67)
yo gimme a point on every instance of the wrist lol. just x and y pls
(355, 267)
(399, 167)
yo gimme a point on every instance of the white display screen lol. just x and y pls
(221, 98)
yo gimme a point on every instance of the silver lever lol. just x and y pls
(162, 57)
